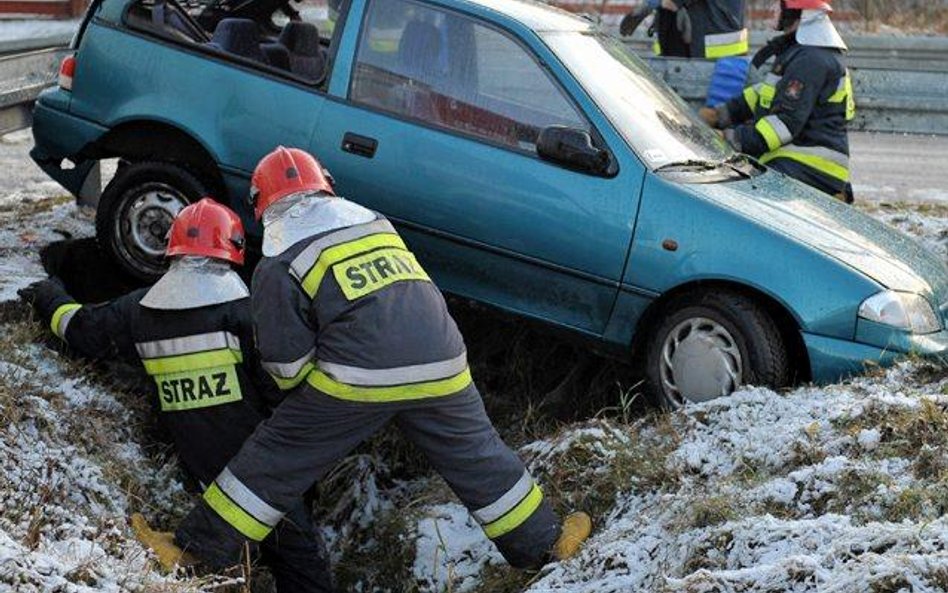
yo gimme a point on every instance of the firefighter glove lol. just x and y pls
(683, 23)
(709, 115)
(162, 544)
(42, 291)
(576, 529)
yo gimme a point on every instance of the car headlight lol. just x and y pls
(904, 310)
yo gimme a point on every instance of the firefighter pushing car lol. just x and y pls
(350, 326)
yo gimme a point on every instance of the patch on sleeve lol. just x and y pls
(794, 89)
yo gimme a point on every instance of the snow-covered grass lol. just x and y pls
(842, 488)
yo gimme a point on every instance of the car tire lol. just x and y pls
(136, 210)
(705, 345)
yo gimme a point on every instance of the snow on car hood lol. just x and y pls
(875, 249)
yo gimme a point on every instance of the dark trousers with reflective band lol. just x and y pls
(296, 557)
(310, 431)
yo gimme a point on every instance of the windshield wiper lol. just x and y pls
(693, 164)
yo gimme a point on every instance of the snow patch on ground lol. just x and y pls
(451, 550)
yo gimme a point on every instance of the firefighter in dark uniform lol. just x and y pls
(795, 120)
(709, 29)
(193, 334)
(350, 325)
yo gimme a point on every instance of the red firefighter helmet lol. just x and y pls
(209, 229)
(807, 5)
(283, 172)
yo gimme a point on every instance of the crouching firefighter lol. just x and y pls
(796, 119)
(193, 334)
(351, 326)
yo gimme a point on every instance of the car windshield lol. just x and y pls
(656, 122)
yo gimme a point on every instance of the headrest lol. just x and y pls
(239, 37)
(300, 38)
(419, 48)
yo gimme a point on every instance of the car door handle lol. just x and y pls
(359, 145)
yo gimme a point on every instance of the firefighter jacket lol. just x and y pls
(796, 119)
(717, 30)
(201, 360)
(351, 313)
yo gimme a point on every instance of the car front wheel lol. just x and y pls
(136, 210)
(708, 344)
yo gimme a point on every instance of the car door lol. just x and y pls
(437, 128)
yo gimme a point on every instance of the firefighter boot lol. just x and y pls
(161, 543)
(576, 528)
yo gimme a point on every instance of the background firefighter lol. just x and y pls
(193, 335)
(351, 326)
(710, 29)
(796, 120)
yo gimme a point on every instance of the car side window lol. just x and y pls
(457, 73)
(272, 37)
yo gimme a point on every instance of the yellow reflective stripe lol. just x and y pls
(364, 274)
(767, 93)
(58, 315)
(714, 52)
(821, 164)
(845, 94)
(751, 98)
(656, 48)
(516, 516)
(322, 382)
(343, 251)
(771, 137)
(238, 518)
(289, 383)
(192, 362)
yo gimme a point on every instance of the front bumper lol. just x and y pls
(832, 359)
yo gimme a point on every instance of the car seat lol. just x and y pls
(239, 37)
(277, 56)
(307, 58)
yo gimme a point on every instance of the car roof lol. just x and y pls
(536, 15)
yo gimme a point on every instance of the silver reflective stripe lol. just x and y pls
(308, 257)
(188, 345)
(772, 79)
(783, 132)
(725, 38)
(247, 500)
(64, 322)
(394, 376)
(830, 155)
(505, 503)
(289, 370)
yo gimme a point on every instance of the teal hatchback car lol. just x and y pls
(530, 160)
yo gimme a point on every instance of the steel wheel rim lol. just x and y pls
(700, 361)
(143, 223)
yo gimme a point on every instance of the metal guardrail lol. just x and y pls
(928, 54)
(22, 78)
(886, 100)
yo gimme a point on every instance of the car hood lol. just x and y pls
(813, 218)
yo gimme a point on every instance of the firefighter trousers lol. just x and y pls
(310, 431)
(295, 555)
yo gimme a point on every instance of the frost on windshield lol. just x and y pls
(658, 125)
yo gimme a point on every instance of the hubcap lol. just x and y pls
(700, 361)
(146, 219)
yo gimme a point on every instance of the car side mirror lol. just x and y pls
(572, 148)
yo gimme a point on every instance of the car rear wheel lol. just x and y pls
(136, 210)
(709, 344)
